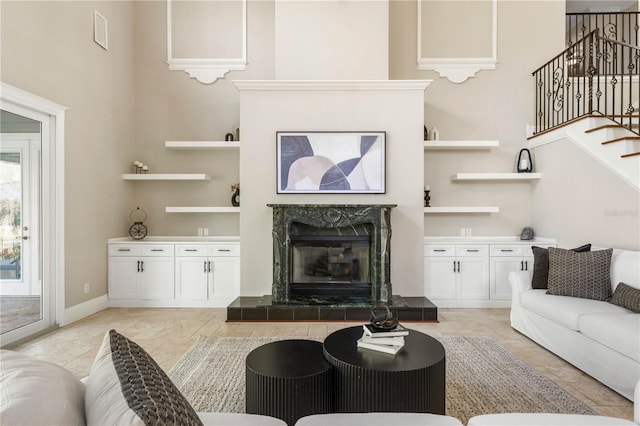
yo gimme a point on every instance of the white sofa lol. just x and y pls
(600, 338)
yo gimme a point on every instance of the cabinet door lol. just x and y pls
(156, 278)
(439, 278)
(528, 266)
(500, 268)
(473, 277)
(225, 278)
(192, 277)
(123, 277)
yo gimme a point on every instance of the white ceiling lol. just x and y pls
(584, 6)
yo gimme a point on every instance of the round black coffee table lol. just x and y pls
(413, 380)
(289, 379)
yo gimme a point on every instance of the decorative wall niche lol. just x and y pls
(466, 46)
(207, 39)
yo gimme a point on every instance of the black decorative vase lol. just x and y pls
(235, 198)
(427, 199)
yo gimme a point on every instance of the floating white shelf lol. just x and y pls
(167, 176)
(202, 144)
(461, 144)
(431, 210)
(202, 209)
(495, 176)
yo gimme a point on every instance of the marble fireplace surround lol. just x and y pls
(341, 219)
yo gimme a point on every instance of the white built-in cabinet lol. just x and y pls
(140, 272)
(207, 272)
(455, 272)
(173, 274)
(473, 272)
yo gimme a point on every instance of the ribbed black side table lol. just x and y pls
(413, 380)
(289, 379)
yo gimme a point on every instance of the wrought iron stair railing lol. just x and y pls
(595, 75)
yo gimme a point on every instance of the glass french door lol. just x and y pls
(21, 292)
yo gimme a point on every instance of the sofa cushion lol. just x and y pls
(627, 297)
(126, 386)
(541, 264)
(36, 392)
(620, 332)
(565, 310)
(624, 267)
(585, 275)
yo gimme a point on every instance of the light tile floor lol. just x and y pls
(168, 333)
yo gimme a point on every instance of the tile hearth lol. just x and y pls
(264, 309)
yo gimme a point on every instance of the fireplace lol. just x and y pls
(331, 254)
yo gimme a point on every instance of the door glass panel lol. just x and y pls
(10, 217)
(20, 282)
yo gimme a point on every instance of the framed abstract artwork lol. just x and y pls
(331, 162)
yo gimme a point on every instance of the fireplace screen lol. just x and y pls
(326, 260)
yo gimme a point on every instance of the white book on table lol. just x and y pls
(389, 349)
(391, 341)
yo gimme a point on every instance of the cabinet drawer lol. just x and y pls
(192, 250)
(156, 250)
(505, 250)
(472, 250)
(439, 250)
(224, 250)
(124, 250)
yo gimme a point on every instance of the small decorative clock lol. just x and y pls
(138, 230)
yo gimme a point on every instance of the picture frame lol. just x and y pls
(100, 30)
(320, 162)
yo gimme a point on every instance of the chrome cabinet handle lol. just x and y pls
(224, 250)
(157, 249)
(473, 250)
(138, 266)
(439, 250)
(124, 249)
(142, 266)
(190, 250)
(506, 250)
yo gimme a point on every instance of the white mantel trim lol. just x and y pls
(341, 85)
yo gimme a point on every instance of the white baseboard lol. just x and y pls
(82, 310)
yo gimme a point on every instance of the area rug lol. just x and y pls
(482, 377)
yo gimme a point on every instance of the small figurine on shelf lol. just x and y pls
(427, 197)
(228, 137)
(139, 167)
(235, 198)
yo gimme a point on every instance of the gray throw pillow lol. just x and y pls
(540, 275)
(585, 275)
(127, 387)
(627, 297)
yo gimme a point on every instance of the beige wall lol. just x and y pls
(332, 40)
(397, 112)
(493, 105)
(48, 49)
(580, 201)
(171, 106)
(124, 103)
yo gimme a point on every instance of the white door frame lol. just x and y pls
(52, 117)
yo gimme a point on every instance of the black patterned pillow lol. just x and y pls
(627, 297)
(126, 386)
(541, 265)
(585, 275)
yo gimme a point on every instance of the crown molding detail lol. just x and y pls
(328, 85)
(458, 70)
(207, 70)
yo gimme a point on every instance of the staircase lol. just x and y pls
(590, 92)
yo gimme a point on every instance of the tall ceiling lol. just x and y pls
(583, 6)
